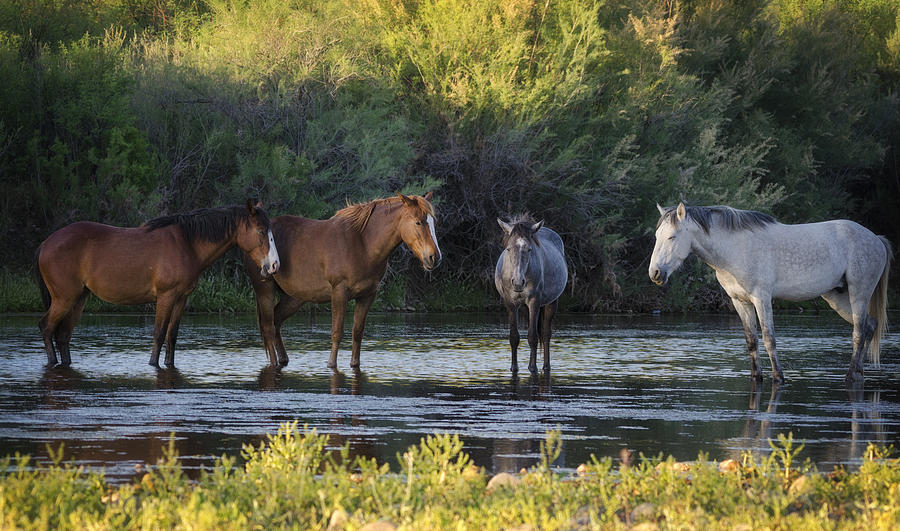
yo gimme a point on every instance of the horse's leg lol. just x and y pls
(63, 333)
(533, 316)
(164, 305)
(767, 323)
(548, 311)
(286, 307)
(747, 313)
(59, 310)
(339, 297)
(513, 313)
(863, 328)
(359, 324)
(863, 331)
(172, 331)
(264, 292)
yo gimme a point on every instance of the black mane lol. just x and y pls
(208, 224)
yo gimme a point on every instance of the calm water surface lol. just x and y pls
(655, 384)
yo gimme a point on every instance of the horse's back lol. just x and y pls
(313, 251)
(556, 273)
(119, 265)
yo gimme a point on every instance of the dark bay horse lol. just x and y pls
(532, 271)
(757, 258)
(160, 261)
(340, 259)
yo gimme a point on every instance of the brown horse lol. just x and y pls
(339, 259)
(159, 261)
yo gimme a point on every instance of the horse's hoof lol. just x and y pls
(283, 363)
(154, 364)
(854, 378)
(63, 364)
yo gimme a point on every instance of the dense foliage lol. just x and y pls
(293, 481)
(584, 112)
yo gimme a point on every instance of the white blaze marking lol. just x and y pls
(273, 252)
(433, 235)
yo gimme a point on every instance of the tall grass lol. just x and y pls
(294, 480)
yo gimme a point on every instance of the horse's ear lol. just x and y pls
(250, 208)
(409, 201)
(428, 196)
(507, 228)
(537, 226)
(259, 204)
(681, 212)
(662, 210)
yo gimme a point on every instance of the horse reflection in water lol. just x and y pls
(757, 258)
(531, 271)
(756, 429)
(866, 423)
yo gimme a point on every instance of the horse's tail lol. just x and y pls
(39, 278)
(878, 304)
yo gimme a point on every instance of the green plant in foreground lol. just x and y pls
(295, 479)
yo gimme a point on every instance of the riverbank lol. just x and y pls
(297, 480)
(218, 292)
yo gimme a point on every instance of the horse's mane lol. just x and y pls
(521, 224)
(356, 215)
(725, 217)
(207, 224)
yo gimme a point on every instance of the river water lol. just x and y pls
(674, 385)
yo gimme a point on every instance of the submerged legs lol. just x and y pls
(533, 318)
(359, 324)
(338, 309)
(747, 313)
(766, 321)
(863, 329)
(546, 323)
(513, 312)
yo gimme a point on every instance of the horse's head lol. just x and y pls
(255, 238)
(416, 228)
(673, 243)
(518, 241)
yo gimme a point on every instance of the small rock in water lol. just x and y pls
(338, 520)
(381, 525)
(729, 465)
(503, 479)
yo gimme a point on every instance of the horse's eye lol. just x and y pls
(419, 223)
(671, 237)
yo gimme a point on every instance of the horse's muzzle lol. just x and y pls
(431, 261)
(659, 277)
(270, 269)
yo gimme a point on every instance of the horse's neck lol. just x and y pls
(208, 252)
(381, 235)
(715, 248)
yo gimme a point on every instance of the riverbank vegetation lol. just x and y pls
(296, 480)
(584, 112)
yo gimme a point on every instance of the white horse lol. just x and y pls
(757, 258)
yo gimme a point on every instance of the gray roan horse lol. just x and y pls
(757, 258)
(531, 271)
